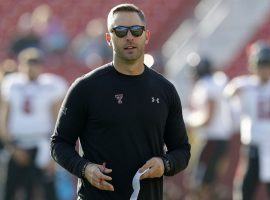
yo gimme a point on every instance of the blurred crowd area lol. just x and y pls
(70, 34)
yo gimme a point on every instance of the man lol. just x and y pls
(253, 92)
(210, 117)
(8, 66)
(29, 109)
(123, 113)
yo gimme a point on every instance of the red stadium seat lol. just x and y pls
(161, 15)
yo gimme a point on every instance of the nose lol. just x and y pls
(129, 35)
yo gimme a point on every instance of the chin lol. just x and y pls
(131, 57)
(131, 60)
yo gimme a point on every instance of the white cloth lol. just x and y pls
(255, 109)
(264, 161)
(254, 98)
(211, 88)
(43, 154)
(136, 184)
(30, 116)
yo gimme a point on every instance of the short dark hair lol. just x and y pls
(259, 54)
(126, 7)
(201, 65)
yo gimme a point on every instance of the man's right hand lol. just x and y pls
(21, 157)
(95, 174)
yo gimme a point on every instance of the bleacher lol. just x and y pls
(239, 63)
(163, 17)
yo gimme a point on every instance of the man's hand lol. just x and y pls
(21, 156)
(94, 173)
(50, 168)
(156, 168)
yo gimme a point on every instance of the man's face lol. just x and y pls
(128, 48)
(264, 73)
(32, 71)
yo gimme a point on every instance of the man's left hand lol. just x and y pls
(156, 168)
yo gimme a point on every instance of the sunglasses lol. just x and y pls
(122, 31)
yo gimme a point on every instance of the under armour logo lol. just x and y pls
(119, 98)
(155, 100)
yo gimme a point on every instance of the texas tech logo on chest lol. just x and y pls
(119, 98)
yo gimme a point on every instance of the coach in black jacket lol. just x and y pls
(123, 113)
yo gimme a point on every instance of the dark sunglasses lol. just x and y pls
(122, 31)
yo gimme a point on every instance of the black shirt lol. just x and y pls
(124, 121)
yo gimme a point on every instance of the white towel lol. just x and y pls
(136, 184)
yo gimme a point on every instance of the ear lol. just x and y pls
(108, 39)
(147, 35)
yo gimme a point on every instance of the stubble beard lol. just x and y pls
(125, 57)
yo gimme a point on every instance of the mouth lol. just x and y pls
(130, 47)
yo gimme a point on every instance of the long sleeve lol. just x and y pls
(69, 126)
(175, 137)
